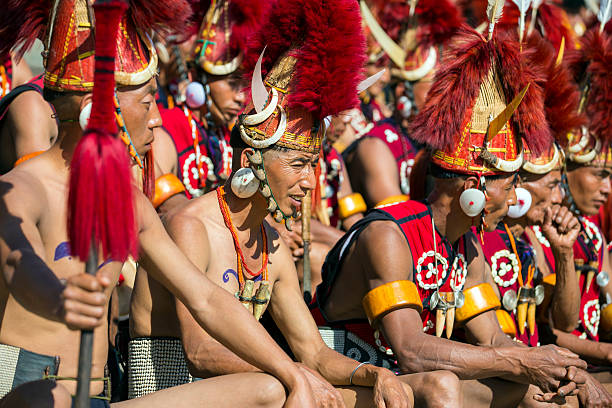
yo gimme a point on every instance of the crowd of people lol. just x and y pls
(306, 203)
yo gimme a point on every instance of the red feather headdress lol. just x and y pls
(314, 54)
(473, 74)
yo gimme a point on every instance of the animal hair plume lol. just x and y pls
(326, 38)
(22, 22)
(466, 62)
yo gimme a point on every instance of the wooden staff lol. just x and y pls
(86, 347)
(306, 214)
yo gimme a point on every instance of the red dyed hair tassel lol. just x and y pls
(100, 207)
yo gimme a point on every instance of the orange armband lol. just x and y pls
(393, 200)
(606, 319)
(350, 205)
(165, 187)
(478, 299)
(506, 322)
(27, 157)
(389, 297)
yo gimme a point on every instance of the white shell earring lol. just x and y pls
(84, 115)
(195, 96)
(523, 203)
(472, 202)
(244, 183)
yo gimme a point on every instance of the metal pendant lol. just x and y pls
(510, 300)
(539, 294)
(433, 301)
(459, 299)
(602, 279)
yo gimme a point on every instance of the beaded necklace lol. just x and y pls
(196, 143)
(530, 270)
(243, 269)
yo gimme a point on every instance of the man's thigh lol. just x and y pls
(363, 397)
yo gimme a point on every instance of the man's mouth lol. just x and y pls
(296, 201)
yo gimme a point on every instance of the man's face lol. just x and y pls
(227, 99)
(290, 175)
(545, 191)
(590, 187)
(140, 113)
(501, 196)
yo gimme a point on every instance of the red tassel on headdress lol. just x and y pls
(100, 167)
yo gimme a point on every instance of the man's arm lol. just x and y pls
(346, 190)
(166, 162)
(30, 123)
(376, 167)
(206, 357)
(561, 229)
(385, 256)
(214, 309)
(22, 259)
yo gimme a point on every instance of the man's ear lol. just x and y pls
(244, 159)
(87, 98)
(470, 182)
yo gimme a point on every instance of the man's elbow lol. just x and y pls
(200, 362)
(409, 361)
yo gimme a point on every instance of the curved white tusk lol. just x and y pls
(543, 168)
(259, 94)
(257, 118)
(584, 141)
(394, 51)
(368, 82)
(509, 166)
(420, 72)
(588, 157)
(262, 144)
(222, 69)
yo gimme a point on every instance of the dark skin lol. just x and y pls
(381, 255)
(55, 309)
(290, 175)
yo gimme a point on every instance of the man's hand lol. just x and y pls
(390, 392)
(551, 368)
(83, 301)
(561, 228)
(591, 393)
(300, 396)
(325, 395)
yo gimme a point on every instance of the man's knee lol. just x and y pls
(269, 392)
(442, 388)
(38, 394)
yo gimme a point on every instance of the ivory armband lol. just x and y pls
(350, 205)
(393, 200)
(506, 322)
(478, 299)
(165, 187)
(389, 297)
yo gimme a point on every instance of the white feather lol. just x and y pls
(605, 12)
(523, 6)
(494, 13)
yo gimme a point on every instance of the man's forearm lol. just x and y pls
(593, 351)
(233, 326)
(337, 368)
(209, 358)
(565, 304)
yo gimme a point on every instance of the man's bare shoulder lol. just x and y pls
(370, 147)
(23, 185)
(195, 216)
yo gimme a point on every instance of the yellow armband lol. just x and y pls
(350, 205)
(389, 297)
(27, 157)
(393, 200)
(478, 299)
(606, 319)
(506, 322)
(550, 279)
(165, 187)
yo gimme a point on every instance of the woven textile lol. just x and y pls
(155, 364)
(347, 343)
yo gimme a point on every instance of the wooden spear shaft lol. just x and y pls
(86, 347)
(306, 214)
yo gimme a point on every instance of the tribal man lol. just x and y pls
(380, 163)
(404, 266)
(44, 293)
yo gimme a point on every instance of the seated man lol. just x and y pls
(404, 266)
(380, 162)
(276, 151)
(44, 294)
